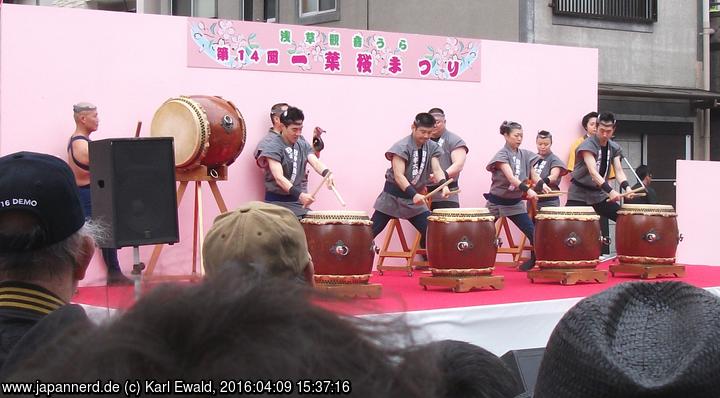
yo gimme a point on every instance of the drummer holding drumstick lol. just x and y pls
(452, 159)
(284, 158)
(276, 128)
(549, 168)
(511, 167)
(593, 161)
(413, 159)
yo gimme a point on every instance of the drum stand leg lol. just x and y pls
(407, 253)
(198, 229)
(516, 251)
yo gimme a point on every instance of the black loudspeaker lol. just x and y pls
(133, 190)
(525, 364)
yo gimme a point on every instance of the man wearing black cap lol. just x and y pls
(86, 122)
(45, 248)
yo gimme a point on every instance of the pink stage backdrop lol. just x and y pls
(288, 48)
(130, 64)
(697, 213)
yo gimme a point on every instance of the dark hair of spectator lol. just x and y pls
(465, 370)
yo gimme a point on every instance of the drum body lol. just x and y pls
(207, 130)
(647, 234)
(461, 242)
(567, 238)
(340, 243)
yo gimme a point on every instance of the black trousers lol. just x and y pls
(606, 210)
(444, 205)
(380, 221)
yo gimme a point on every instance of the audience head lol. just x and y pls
(44, 238)
(232, 327)
(86, 117)
(637, 340)
(589, 123)
(465, 370)
(266, 239)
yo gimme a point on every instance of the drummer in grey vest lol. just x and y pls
(511, 168)
(276, 129)
(593, 159)
(549, 168)
(452, 159)
(284, 158)
(413, 159)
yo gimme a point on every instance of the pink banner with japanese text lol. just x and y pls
(228, 44)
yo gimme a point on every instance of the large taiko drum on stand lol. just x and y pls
(567, 238)
(461, 242)
(341, 245)
(207, 130)
(647, 234)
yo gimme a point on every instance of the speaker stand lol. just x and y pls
(136, 273)
(198, 176)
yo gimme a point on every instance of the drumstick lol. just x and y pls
(551, 194)
(137, 130)
(337, 195)
(439, 188)
(636, 190)
(320, 185)
(455, 192)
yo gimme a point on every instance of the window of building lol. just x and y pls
(195, 8)
(270, 10)
(619, 10)
(318, 11)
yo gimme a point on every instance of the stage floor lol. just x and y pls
(522, 315)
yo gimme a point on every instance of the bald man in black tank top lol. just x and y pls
(87, 121)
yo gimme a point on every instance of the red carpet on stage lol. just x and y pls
(402, 293)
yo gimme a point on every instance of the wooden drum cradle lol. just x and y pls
(647, 239)
(461, 249)
(567, 245)
(341, 246)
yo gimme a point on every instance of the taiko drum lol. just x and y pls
(647, 234)
(567, 237)
(207, 130)
(461, 242)
(341, 245)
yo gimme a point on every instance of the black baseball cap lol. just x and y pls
(44, 186)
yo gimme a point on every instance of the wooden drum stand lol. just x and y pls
(197, 175)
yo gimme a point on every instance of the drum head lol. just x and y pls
(336, 217)
(630, 209)
(178, 118)
(463, 211)
(585, 213)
